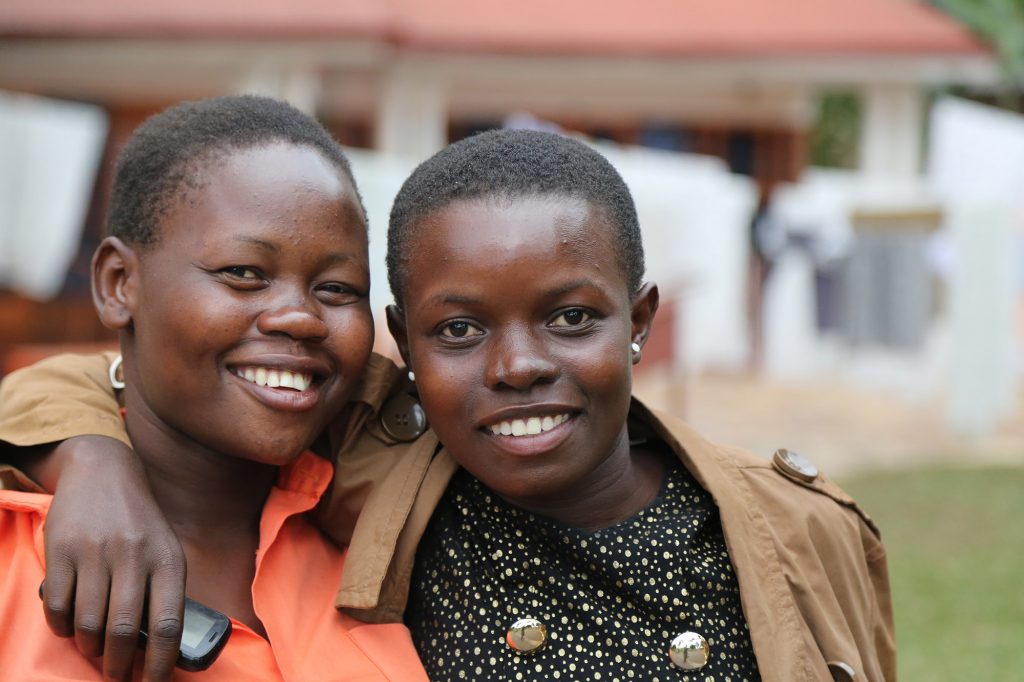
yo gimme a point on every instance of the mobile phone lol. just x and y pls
(203, 637)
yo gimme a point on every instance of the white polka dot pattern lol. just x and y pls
(611, 601)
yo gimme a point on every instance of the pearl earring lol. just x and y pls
(635, 346)
(412, 375)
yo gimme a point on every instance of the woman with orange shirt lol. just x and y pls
(236, 275)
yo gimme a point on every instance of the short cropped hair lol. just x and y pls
(511, 164)
(163, 159)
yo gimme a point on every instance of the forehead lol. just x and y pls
(277, 184)
(256, 176)
(529, 238)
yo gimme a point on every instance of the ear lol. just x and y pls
(115, 272)
(643, 308)
(399, 332)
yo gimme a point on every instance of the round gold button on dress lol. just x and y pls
(689, 651)
(526, 635)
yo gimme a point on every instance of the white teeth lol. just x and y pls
(274, 378)
(530, 426)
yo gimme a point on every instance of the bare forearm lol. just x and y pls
(45, 464)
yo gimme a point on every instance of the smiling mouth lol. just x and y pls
(530, 426)
(275, 377)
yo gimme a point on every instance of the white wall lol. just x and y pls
(50, 152)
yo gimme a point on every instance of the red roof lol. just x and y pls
(620, 27)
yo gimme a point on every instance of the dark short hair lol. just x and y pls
(162, 160)
(508, 164)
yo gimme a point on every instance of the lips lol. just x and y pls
(530, 431)
(287, 386)
(528, 426)
(275, 377)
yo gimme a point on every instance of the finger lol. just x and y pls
(59, 594)
(92, 590)
(166, 621)
(124, 616)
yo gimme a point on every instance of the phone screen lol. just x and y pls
(196, 627)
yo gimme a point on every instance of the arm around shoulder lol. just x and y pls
(60, 397)
(49, 402)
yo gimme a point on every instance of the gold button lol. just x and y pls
(689, 651)
(526, 635)
(794, 465)
(403, 418)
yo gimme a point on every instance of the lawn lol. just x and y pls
(955, 539)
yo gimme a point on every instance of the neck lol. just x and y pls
(205, 495)
(624, 484)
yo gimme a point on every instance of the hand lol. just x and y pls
(107, 543)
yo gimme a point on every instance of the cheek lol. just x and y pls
(604, 370)
(187, 323)
(351, 334)
(445, 383)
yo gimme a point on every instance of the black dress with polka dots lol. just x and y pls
(611, 601)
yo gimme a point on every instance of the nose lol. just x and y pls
(300, 321)
(519, 361)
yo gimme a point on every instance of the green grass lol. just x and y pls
(955, 539)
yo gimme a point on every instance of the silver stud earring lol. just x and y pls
(635, 346)
(412, 375)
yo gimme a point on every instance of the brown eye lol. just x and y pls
(336, 293)
(243, 277)
(459, 330)
(571, 318)
(241, 272)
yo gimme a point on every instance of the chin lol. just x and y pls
(524, 488)
(275, 452)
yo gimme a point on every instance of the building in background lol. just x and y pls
(736, 79)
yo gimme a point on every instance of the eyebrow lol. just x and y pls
(568, 287)
(457, 299)
(333, 258)
(336, 258)
(262, 243)
(449, 299)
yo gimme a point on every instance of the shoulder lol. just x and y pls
(786, 486)
(380, 379)
(382, 412)
(63, 365)
(794, 477)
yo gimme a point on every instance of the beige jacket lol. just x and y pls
(810, 564)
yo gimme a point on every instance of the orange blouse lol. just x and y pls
(297, 575)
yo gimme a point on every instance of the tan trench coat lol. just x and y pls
(810, 564)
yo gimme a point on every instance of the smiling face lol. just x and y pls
(250, 317)
(518, 321)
